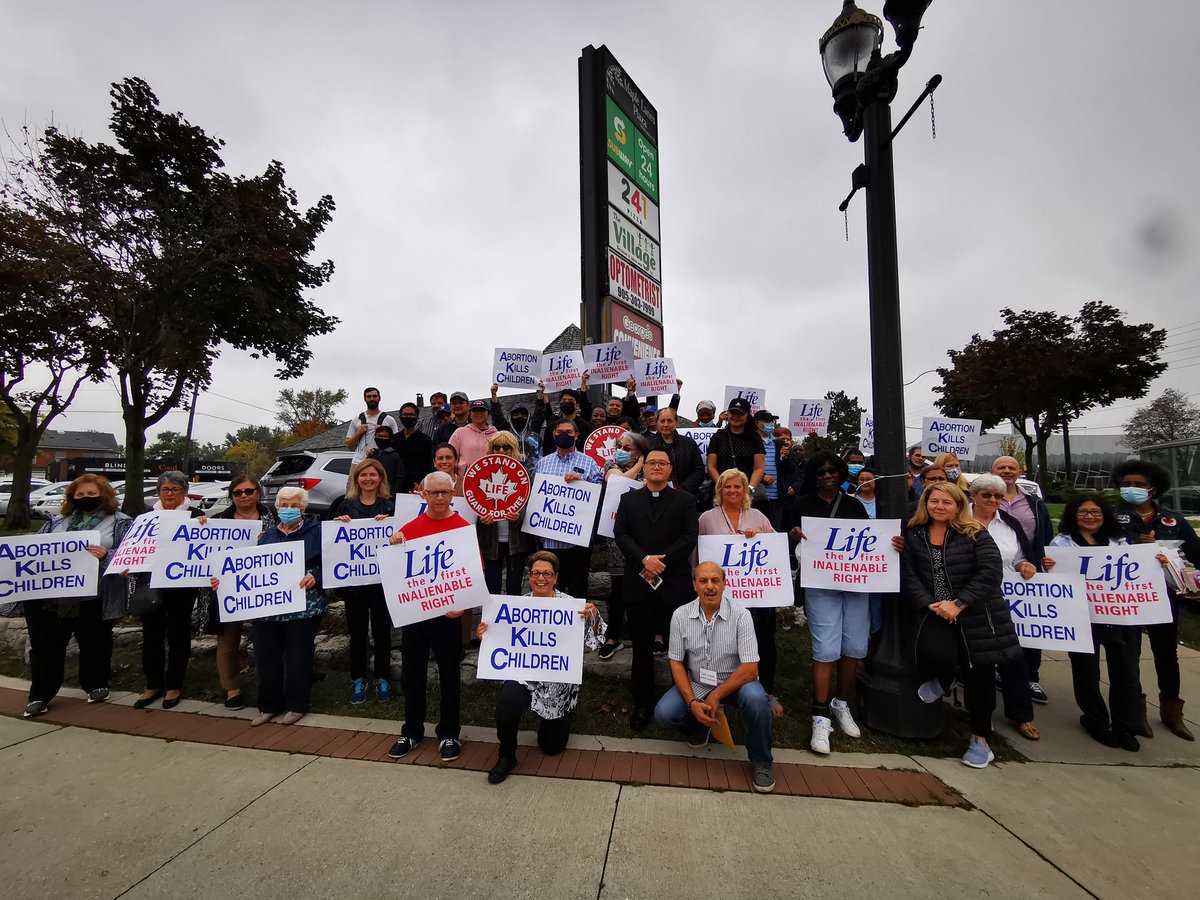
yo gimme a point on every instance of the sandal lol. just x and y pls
(1029, 731)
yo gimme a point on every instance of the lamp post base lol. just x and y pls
(888, 682)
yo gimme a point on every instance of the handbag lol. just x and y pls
(145, 600)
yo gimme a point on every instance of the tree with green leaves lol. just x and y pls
(309, 407)
(173, 445)
(845, 419)
(195, 258)
(1172, 417)
(1043, 369)
(47, 346)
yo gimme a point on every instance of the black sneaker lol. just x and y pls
(99, 695)
(449, 748)
(660, 648)
(401, 747)
(609, 649)
(1036, 694)
(237, 701)
(763, 781)
(35, 708)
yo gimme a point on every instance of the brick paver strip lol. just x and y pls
(841, 782)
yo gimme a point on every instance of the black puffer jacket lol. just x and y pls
(974, 572)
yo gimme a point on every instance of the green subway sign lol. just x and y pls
(632, 150)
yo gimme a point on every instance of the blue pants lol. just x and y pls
(672, 712)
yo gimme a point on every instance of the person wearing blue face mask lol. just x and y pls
(1144, 520)
(855, 463)
(767, 498)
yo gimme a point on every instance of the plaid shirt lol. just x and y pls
(554, 464)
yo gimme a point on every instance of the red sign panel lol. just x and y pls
(496, 484)
(601, 444)
(627, 325)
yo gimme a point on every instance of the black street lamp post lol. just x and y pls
(864, 83)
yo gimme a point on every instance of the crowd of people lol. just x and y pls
(960, 536)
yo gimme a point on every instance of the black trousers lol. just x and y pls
(507, 567)
(1014, 688)
(942, 654)
(649, 613)
(444, 637)
(764, 632)
(1164, 644)
(366, 609)
(616, 609)
(512, 702)
(1033, 663)
(48, 639)
(574, 563)
(283, 661)
(1122, 646)
(167, 640)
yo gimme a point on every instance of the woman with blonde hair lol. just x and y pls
(948, 462)
(951, 572)
(368, 496)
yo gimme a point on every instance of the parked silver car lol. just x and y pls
(6, 491)
(323, 473)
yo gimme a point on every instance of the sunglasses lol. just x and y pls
(245, 492)
(988, 495)
(826, 471)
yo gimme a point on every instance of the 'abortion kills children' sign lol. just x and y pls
(849, 555)
(49, 566)
(561, 511)
(431, 576)
(1049, 612)
(186, 551)
(757, 571)
(514, 369)
(349, 551)
(255, 582)
(532, 639)
(957, 436)
(1125, 584)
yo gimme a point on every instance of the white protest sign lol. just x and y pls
(428, 577)
(849, 555)
(562, 370)
(1050, 612)
(255, 582)
(532, 639)
(515, 369)
(349, 551)
(1125, 583)
(655, 376)
(957, 436)
(756, 397)
(615, 487)
(140, 543)
(409, 506)
(807, 417)
(186, 551)
(560, 511)
(866, 431)
(608, 363)
(757, 570)
(49, 566)
(701, 436)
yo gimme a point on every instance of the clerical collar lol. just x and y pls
(654, 493)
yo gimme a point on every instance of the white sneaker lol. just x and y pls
(845, 721)
(819, 743)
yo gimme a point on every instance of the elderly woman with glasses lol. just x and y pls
(987, 493)
(553, 702)
(167, 628)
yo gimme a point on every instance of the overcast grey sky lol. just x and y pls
(1063, 171)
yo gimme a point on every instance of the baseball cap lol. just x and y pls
(478, 404)
(443, 410)
(763, 416)
(459, 395)
(706, 404)
(739, 404)
(649, 409)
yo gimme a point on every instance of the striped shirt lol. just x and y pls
(769, 468)
(720, 645)
(554, 464)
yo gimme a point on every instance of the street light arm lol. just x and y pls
(930, 87)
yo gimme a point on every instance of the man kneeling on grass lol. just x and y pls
(714, 656)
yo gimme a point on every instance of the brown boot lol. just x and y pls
(1171, 710)
(1146, 730)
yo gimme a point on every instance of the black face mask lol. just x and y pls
(568, 409)
(563, 441)
(383, 442)
(519, 422)
(408, 421)
(86, 504)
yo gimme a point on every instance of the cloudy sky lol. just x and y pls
(448, 135)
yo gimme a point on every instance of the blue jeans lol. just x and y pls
(672, 712)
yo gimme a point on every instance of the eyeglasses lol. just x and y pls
(826, 471)
(989, 495)
(1090, 514)
(656, 463)
(934, 480)
(170, 489)
(245, 492)
(438, 493)
(533, 575)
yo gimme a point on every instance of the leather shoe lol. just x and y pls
(502, 769)
(143, 702)
(172, 703)
(639, 719)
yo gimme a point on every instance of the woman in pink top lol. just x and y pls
(731, 514)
